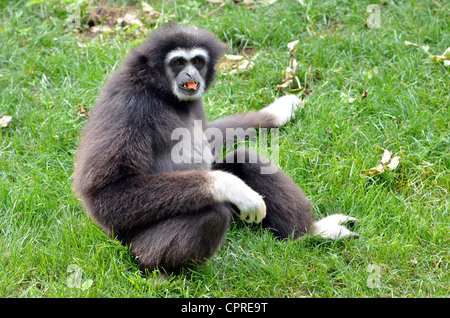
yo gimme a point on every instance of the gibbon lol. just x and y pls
(171, 208)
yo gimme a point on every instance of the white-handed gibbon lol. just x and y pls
(175, 214)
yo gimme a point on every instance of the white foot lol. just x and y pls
(283, 108)
(330, 227)
(226, 187)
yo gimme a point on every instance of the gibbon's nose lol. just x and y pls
(190, 71)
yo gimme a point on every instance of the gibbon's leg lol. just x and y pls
(183, 241)
(173, 220)
(289, 212)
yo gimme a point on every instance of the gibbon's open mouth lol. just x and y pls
(191, 85)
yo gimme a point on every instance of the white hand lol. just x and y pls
(283, 108)
(331, 228)
(226, 187)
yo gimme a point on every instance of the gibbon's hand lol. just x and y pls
(284, 108)
(227, 187)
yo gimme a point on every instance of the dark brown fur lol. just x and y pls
(130, 186)
(288, 210)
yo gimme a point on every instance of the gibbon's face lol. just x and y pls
(186, 70)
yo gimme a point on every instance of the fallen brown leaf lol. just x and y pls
(5, 121)
(82, 111)
(364, 95)
(387, 164)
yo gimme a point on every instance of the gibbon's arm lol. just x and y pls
(278, 113)
(143, 199)
(257, 119)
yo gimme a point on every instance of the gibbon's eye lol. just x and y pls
(198, 60)
(178, 62)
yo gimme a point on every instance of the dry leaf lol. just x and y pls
(407, 43)
(231, 57)
(394, 163)
(149, 12)
(285, 84)
(437, 58)
(129, 19)
(445, 57)
(291, 70)
(250, 4)
(146, 7)
(236, 62)
(245, 65)
(5, 121)
(100, 29)
(347, 98)
(292, 46)
(425, 48)
(387, 164)
(82, 111)
(364, 95)
(373, 171)
(447, 53)
(386, 156)
(290, 74)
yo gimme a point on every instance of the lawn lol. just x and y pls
(365, 90)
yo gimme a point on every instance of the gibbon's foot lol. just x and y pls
(284, 108)
(331, 227)
(227, 187)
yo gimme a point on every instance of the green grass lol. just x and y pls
(48, 71)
